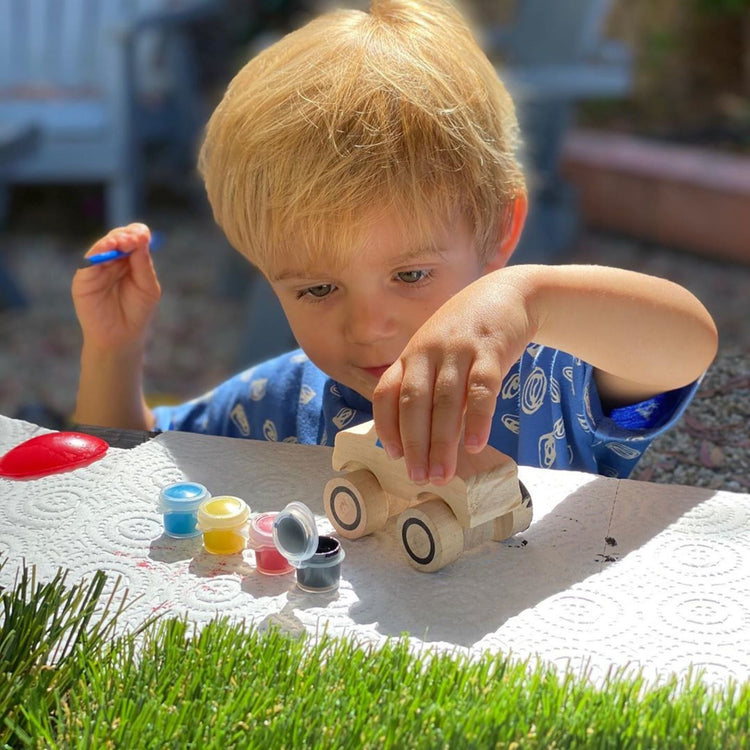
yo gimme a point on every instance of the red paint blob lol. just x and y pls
(52, 453)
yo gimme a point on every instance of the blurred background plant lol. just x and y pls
(692, 72)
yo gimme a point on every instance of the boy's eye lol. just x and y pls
(319, 291)
(412, 277)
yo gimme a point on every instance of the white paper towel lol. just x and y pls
(611, 573)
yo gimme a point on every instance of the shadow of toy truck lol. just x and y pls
(485, 500)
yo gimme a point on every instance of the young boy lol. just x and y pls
(366, 165)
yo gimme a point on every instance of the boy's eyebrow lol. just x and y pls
(289, 273)
(417, 254)
(409, 256)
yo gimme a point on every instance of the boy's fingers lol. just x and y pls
(134, 237)
(385, 411)
(126, 238)
(142, 265)
(447, 412)
(415, 419)
(481, 399)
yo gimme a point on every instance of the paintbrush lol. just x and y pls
(157, 240)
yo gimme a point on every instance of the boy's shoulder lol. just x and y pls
(280, 376)
(288, 398)
(270, 399)
(264, 401)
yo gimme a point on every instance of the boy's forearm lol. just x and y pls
(644, 335)
(110, 391)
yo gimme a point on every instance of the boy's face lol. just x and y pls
(353, 322)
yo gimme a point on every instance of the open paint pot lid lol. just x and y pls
(295, 533)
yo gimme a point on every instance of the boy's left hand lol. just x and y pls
(451, 373)
(453, 367)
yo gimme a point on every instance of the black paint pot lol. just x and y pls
(316, 558)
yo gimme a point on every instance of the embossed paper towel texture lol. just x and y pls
(610, 574)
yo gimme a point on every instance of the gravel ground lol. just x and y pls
(710, 446)
(201, 317)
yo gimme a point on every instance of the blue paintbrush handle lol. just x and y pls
(94, 260)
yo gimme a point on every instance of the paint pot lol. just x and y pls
(179, 502)
(268, 559)
(317, 558)
(223, 521)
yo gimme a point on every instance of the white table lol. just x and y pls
(611, 573)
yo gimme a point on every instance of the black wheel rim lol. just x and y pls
(430, 556)
(357, 518)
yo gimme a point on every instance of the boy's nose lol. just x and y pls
(368, 319)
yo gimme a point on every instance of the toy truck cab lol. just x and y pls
(485, 500)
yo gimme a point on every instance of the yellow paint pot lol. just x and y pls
(223, 521)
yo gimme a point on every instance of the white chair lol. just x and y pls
(78, 72)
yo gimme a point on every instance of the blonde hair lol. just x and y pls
(354, 115)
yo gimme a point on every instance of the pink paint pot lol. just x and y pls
(268, 559)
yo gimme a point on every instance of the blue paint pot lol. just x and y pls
(179, 503)
(317, 558)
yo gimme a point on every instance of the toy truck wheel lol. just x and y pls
(515, 521)
(356, 504)
(523, 516)
(431, 535)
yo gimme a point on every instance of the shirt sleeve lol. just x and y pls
(220, 411)
(655, 412)
(278, 400)
(622, 436)
(550, 415)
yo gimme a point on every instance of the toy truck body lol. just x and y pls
(485, 499)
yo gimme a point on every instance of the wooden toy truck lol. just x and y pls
(485, 500)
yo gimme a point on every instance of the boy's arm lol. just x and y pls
(115, 303)
(642, 334)
(110, 390)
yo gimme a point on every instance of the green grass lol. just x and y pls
(68, 680)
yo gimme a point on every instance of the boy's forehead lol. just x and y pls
(303, 259)
(379, 248)
(393, 240)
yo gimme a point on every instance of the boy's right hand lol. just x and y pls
(115, 301)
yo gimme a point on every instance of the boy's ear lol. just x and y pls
(507, 243)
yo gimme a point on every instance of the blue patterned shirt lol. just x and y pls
(548, 412)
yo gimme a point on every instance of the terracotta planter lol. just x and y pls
(684, 197)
